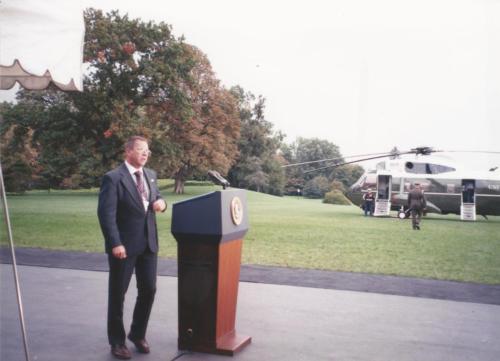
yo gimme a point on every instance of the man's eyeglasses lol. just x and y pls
(142, 151)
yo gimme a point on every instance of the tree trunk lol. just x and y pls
(179, 182)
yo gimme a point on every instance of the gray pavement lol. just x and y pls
(65, 312)
(393, 285)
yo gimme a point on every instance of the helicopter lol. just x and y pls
(449, 188)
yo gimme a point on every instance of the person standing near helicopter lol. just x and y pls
(416, 204)
(368, 202)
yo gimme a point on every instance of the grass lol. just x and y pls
(288, 232)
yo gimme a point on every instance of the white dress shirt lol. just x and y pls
(132, 171)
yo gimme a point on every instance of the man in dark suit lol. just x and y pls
(128, 200)
(416, 204)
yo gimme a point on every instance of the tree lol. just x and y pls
(305, 150)
(136, 67)
(259, 164)
(256, 179)
(312, 149)
(19, 158)
(272, 166)
(208, 138)
(142, 80)
(316, 187)
(347, 174)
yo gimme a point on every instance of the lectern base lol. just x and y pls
(226, 345)
(232, 343)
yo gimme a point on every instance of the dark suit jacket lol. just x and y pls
(416, 199)
(121, 212)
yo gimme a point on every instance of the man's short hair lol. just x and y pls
(129, 144)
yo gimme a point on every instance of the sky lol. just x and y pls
(365, 75)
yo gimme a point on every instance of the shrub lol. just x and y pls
(336, 197)
(337, 185)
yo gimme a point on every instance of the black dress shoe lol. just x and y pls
(141, 345)
(120, 352)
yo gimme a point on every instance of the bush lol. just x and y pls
(337, 186)
(336, 197)
(316, 187)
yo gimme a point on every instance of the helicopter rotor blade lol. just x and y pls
(417, 151)
(337, 158)
(470, 151)
(355, 161)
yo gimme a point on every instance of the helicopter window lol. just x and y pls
(424, 184)
(407, 186)
(488, 186)
(381, 166)
(438, 168)
(427, 168)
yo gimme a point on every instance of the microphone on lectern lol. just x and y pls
(218, 179)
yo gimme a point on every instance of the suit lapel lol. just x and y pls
(129, 185)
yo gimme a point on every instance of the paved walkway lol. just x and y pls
(363, 282)
(65, 313)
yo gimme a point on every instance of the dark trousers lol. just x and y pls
(416, 215)
(369, 206)
(120, 273)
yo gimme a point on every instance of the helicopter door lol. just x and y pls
(468, 206)
(383, 196)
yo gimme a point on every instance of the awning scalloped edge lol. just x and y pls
(11, 74)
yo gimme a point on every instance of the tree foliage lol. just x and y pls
(19, 158)
(305, 150)
(141, 80)
(312, 149)
(316, 187)
(347, 174)
(259, 163)
(208, 138)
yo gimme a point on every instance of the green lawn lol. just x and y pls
(289, 232)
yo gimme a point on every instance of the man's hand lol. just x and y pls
(119, 252)
(159, 205)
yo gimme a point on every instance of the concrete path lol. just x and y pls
(65, 312)
(392, 285)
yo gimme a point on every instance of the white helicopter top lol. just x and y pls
(437, 166)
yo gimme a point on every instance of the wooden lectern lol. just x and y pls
(209, 230)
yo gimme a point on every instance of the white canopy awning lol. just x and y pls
(40, 42)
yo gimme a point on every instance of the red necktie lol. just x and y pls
(140, 185)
